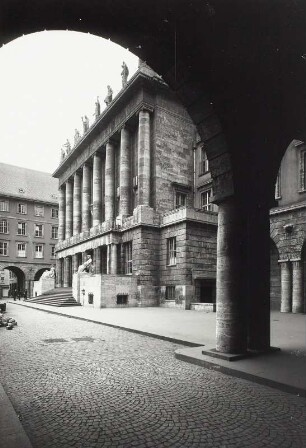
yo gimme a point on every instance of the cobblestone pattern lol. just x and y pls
(79, 384)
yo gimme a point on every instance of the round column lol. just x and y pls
(86, 198)
(286, 287)
(109, 181)
(77, 204)
(125, 173)
(61, 214)
(231, 329)
(297, 287)
(75, 263)
(68, 232)
(97, 190)
(59, 272)
(67, 267)
(97, 260)
(144, 158)
(113, 262)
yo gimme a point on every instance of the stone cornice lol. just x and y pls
(288, 208)
(138, 81)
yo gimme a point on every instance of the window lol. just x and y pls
(278, 187)
(303, 170)
(38, 251)
(203, 162)
(3, 248)
(180, 199)
(21, 250)
(21, 228)
(205, 200)
(171, 251)
(4, 206)
(128, 262)
(54, 232)
(22, 209)
(170, 292)
(39, 230)
(4, 226)
(54, 213)
(39, 210)
(52, 251)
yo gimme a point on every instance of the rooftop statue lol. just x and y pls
(109, 96)
(77, 136)
(85, 124)
(97, 109)
(67, 146)
(63, 155)
(124, 74)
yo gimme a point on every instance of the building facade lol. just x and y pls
(134, 194)
(28, 226)
(288, 233)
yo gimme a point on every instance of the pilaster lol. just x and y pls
(86, 198)
(109, 181)
(144, 158)
(97, 190)
(77, 204)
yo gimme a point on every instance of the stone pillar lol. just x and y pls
(97, 260)
(67, 281)
(297, 287)
(256, 275)
(108, 261)
(59, 270)
(113, 267)
(97, 190)
(77, 204)
(144, 177)
(231, 328)
(75, 263)
(286, 287)
(125, 173)
(61, 214)
(109, 181)
(86, 198)
(68, 232)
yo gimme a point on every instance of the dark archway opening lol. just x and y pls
(17, 285)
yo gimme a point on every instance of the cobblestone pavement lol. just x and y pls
(79, 384)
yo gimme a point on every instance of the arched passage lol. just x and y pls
(39, 273)
(19, 285)
(231, 73)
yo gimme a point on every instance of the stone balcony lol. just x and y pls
(188, 214)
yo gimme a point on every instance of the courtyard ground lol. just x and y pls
(75, 383)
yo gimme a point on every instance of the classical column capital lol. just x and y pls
(145, 108)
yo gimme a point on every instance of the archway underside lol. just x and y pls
(239, 69)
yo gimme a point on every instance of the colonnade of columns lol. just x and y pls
(292, 286)
(67, 266)
(85, 189)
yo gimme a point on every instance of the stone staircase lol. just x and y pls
(55, 297)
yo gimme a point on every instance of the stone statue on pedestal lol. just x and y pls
(97, 109)
(85, 124)
(49, 274)
(67, 146)
(109, 96)
(124, 74)
(77, 136)
(87, 266)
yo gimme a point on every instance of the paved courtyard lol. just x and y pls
(79, 384)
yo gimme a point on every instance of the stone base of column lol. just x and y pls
(143, 214)
(237, 356)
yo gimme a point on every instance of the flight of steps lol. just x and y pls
(55, 297)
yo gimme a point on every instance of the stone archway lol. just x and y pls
(20, 285)
(39, 273)
(228, 63)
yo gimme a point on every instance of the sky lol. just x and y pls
(49, 80)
